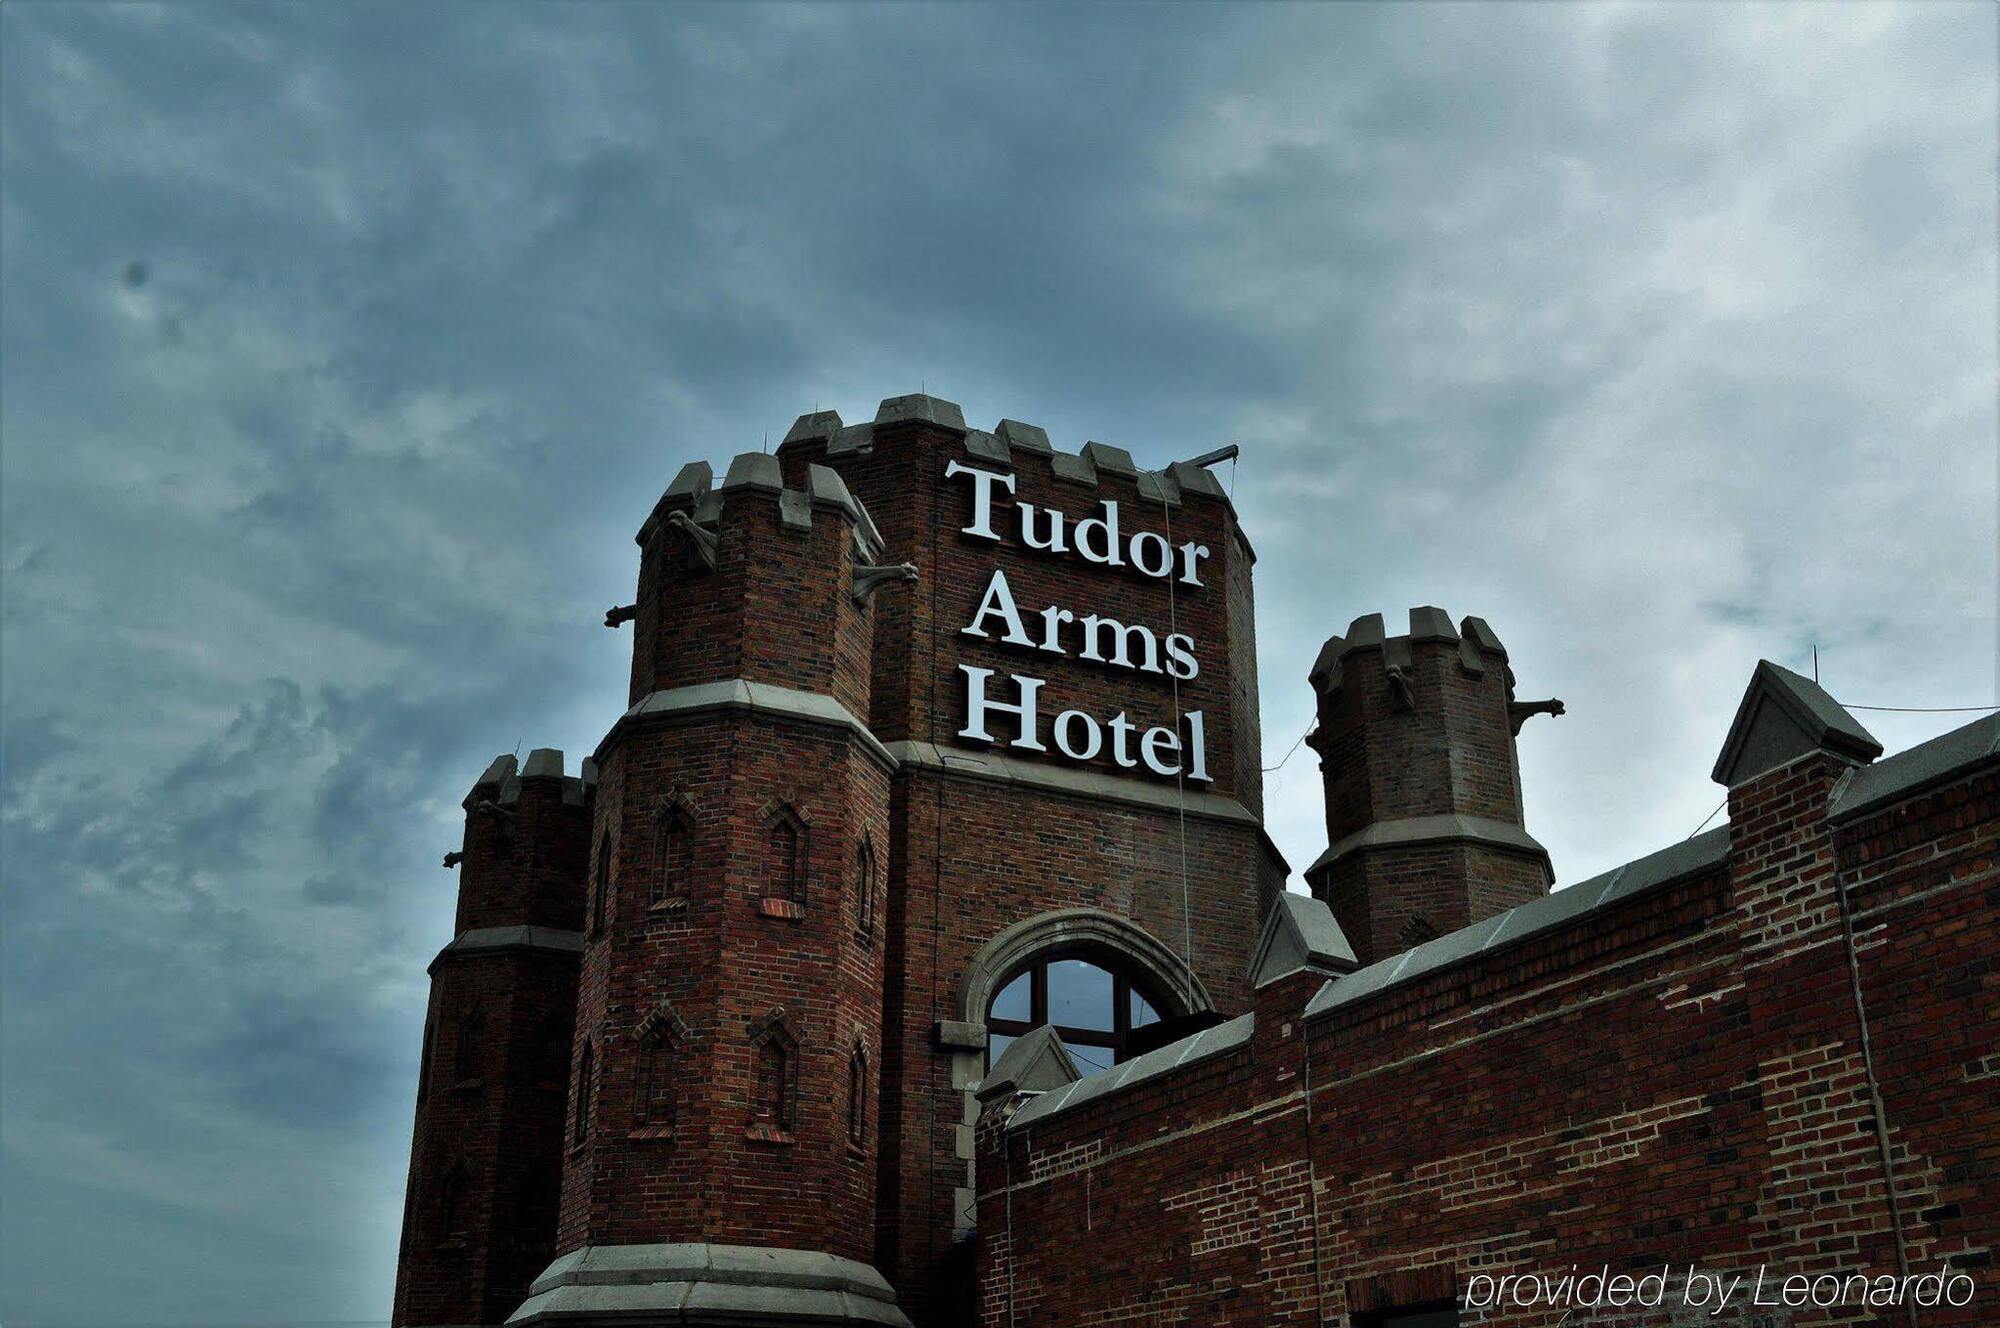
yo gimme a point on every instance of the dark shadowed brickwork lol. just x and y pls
(710, 1045)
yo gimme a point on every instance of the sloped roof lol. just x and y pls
(1784, 715)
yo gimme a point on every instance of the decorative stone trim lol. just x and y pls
(970, 763)
(702, 1283)
(482, 941)
(1443, 829)
(781, 908)
(1086, 929)
(681, 705)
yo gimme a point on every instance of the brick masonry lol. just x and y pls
(724, 987)
(1676, 1079)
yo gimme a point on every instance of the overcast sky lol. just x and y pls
(346, 347)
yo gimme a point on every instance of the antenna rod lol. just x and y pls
(1227, 452)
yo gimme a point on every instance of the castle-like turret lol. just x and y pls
(1423, 789)
(479, 1218)
(723, 1100)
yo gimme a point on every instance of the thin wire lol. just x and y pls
(1706, 819)
(1923, 710)
(1274, 769)
(1180, 778)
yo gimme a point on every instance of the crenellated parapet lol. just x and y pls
(479, 1220)
(1009, 444)
(752, 579)
(526, 834)
(1415, 736)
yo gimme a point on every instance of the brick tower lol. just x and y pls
(479, 1217)
(721, 1135)
(1423, 789)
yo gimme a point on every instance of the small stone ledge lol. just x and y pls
(1443, 829)
(709, 1284)
(690, 704)
(482, 941)
(959, 1035)
(967, 763)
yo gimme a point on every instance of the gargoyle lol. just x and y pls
(624, 613)
(1401, 693)
(702, 542)
(1519, 712)
(453, 858)
(868, 580)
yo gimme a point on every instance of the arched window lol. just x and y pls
(469, 1053)
(451, 1204)
(673, 853)
(586, 1077)
(1094, 1009)
(424, 1065)
(865, 889)
(774, 1089)
(857, 1096)
(659, 1074)
(600, 888)
(552, 1055)
(785, 858)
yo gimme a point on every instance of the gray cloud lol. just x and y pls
(344, 347)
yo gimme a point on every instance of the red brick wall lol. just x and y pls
(971, 859)
(1677, 1078)
(1450, 753)
(501, 1122)
(721, 951)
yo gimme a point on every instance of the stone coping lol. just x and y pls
(493, 940)
(1445, 828)
(1191, 1050)
(1907, 773)
(681, 704)
(1678, 862)
(708, 1284)
(993, 767)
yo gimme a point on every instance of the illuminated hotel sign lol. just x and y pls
(1014, 706)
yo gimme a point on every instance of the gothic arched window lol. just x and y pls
(776, 1049)
(865, 888)
(774, 1097)
(673, 853)
(600, 888)
(1095, 1010)
(657, 1103)
(451, 1204)
(785, 857)
(586, 1076)
(552, 1055)
(857, 1096)
(469, 1052)
(424, 1065)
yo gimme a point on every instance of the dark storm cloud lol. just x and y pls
(345, 346)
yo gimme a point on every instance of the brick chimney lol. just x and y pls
(1423, 789)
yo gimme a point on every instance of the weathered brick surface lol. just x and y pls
(714, 958)
(479, 1214)
(1448, 752)
(1677, 1079)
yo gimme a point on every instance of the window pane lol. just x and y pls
(1143, 1012)
(1080, 995)
(1014, 1001)
(996, 1047)
(1089, 1060)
